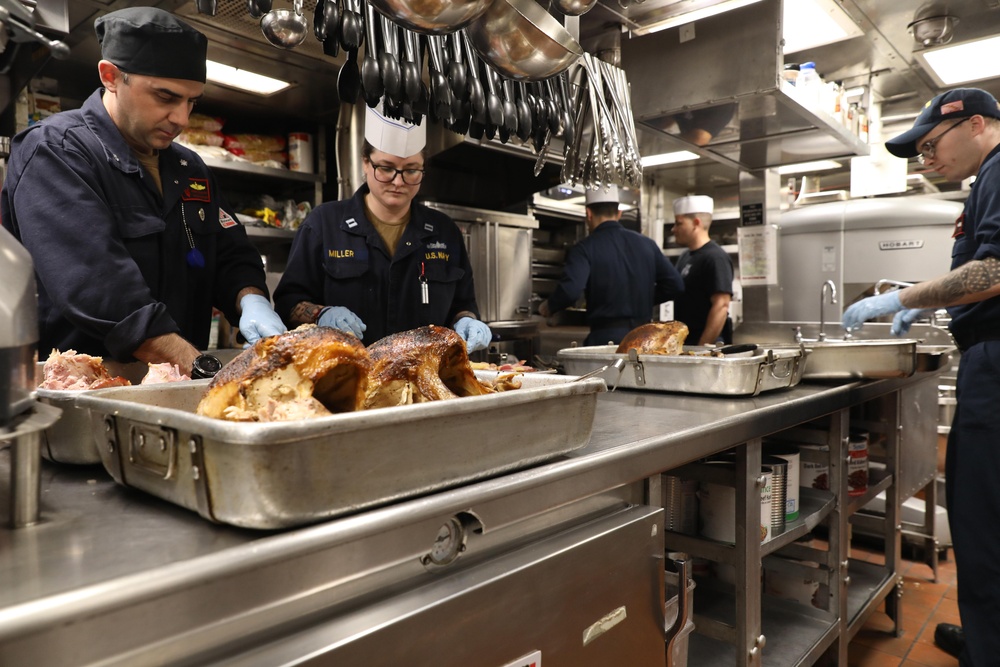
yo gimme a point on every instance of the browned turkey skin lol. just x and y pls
(425, 364)
(655, 338)
(309, 372)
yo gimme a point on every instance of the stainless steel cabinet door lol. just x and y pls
(590, 596)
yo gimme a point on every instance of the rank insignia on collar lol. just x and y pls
(197, 190)
(184, 163)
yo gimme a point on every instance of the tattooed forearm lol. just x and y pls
(305, 313)
(959, 286)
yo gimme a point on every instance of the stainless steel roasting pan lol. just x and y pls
(282, 474)
(743, 374)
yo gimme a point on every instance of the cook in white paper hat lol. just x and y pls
(707, 271)
(393, 136)
(693, 204)
(387, 264)
(601, 195)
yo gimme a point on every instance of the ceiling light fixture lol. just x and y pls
(960, 63)
(803, 167)
(807, 24)
(932, 25)
(703, 11)
(244, 80)
(668, 158)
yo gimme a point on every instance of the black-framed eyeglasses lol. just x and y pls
(386, 174)
(929, 147)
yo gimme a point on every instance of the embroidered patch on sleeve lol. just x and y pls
(197, 190)
(226, 220)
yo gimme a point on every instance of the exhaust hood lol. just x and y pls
(736, 110)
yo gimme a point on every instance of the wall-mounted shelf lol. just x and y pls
(257, 170)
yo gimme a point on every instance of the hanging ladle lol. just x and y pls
(285, 28)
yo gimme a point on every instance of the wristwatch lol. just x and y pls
(205, 366)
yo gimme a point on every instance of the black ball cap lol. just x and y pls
(153, 42)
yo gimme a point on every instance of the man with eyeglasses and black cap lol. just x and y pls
(958, 135)
(131, 240)
(378, 263)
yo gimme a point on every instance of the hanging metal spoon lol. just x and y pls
(477, 98)
(523, 114)
(371, 77)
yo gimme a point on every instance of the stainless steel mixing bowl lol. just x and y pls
(432, 17)
(523, 41)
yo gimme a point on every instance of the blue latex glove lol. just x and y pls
(904, 318)
(338, 317)
(258, 320)
(870, 308)
(475, 333)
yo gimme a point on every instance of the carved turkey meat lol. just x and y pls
(420, 365)
(655, 338)
(308, 372)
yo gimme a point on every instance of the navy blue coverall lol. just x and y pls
(972, 466)
(339, 259)
(109, 250)
(623, 275)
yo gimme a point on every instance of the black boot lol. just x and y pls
(950, 638)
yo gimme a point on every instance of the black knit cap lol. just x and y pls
(150, 41)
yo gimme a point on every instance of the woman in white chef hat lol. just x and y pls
(707, 272)
(378, 263)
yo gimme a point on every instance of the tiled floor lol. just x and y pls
(925, 604)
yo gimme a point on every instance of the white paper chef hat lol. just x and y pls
(395, 137)
(601, 195)
(693, 204)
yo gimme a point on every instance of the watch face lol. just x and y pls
(206, 366)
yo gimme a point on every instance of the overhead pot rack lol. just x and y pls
(504, 70)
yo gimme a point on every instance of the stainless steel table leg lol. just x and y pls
(26, 479)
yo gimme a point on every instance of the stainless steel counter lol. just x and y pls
(105, 555)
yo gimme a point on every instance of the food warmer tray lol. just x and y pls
(283, 474)
(742, 374)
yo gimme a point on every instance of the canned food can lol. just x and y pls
(857, 463)
(815, 475)
(300, 152)
(789, 453)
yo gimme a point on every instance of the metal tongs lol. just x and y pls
(619, 364)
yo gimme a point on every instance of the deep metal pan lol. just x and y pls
(745, 373)
(282, 474)
(68, 440)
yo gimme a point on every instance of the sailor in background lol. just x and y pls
(131, 239)
(622, 274)
(378, 263)
(707, 272)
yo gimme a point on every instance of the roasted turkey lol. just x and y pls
(655, 338)
(72, 371)
(308, 372)
(425, 364)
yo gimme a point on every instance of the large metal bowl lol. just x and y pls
(432, 17)
(523, 41)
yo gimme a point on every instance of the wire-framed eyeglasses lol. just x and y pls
(929, 147)
(387, 174)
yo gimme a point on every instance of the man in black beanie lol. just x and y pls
(132, 242)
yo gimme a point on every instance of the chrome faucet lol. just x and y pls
(822, 305)
(885, 281)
